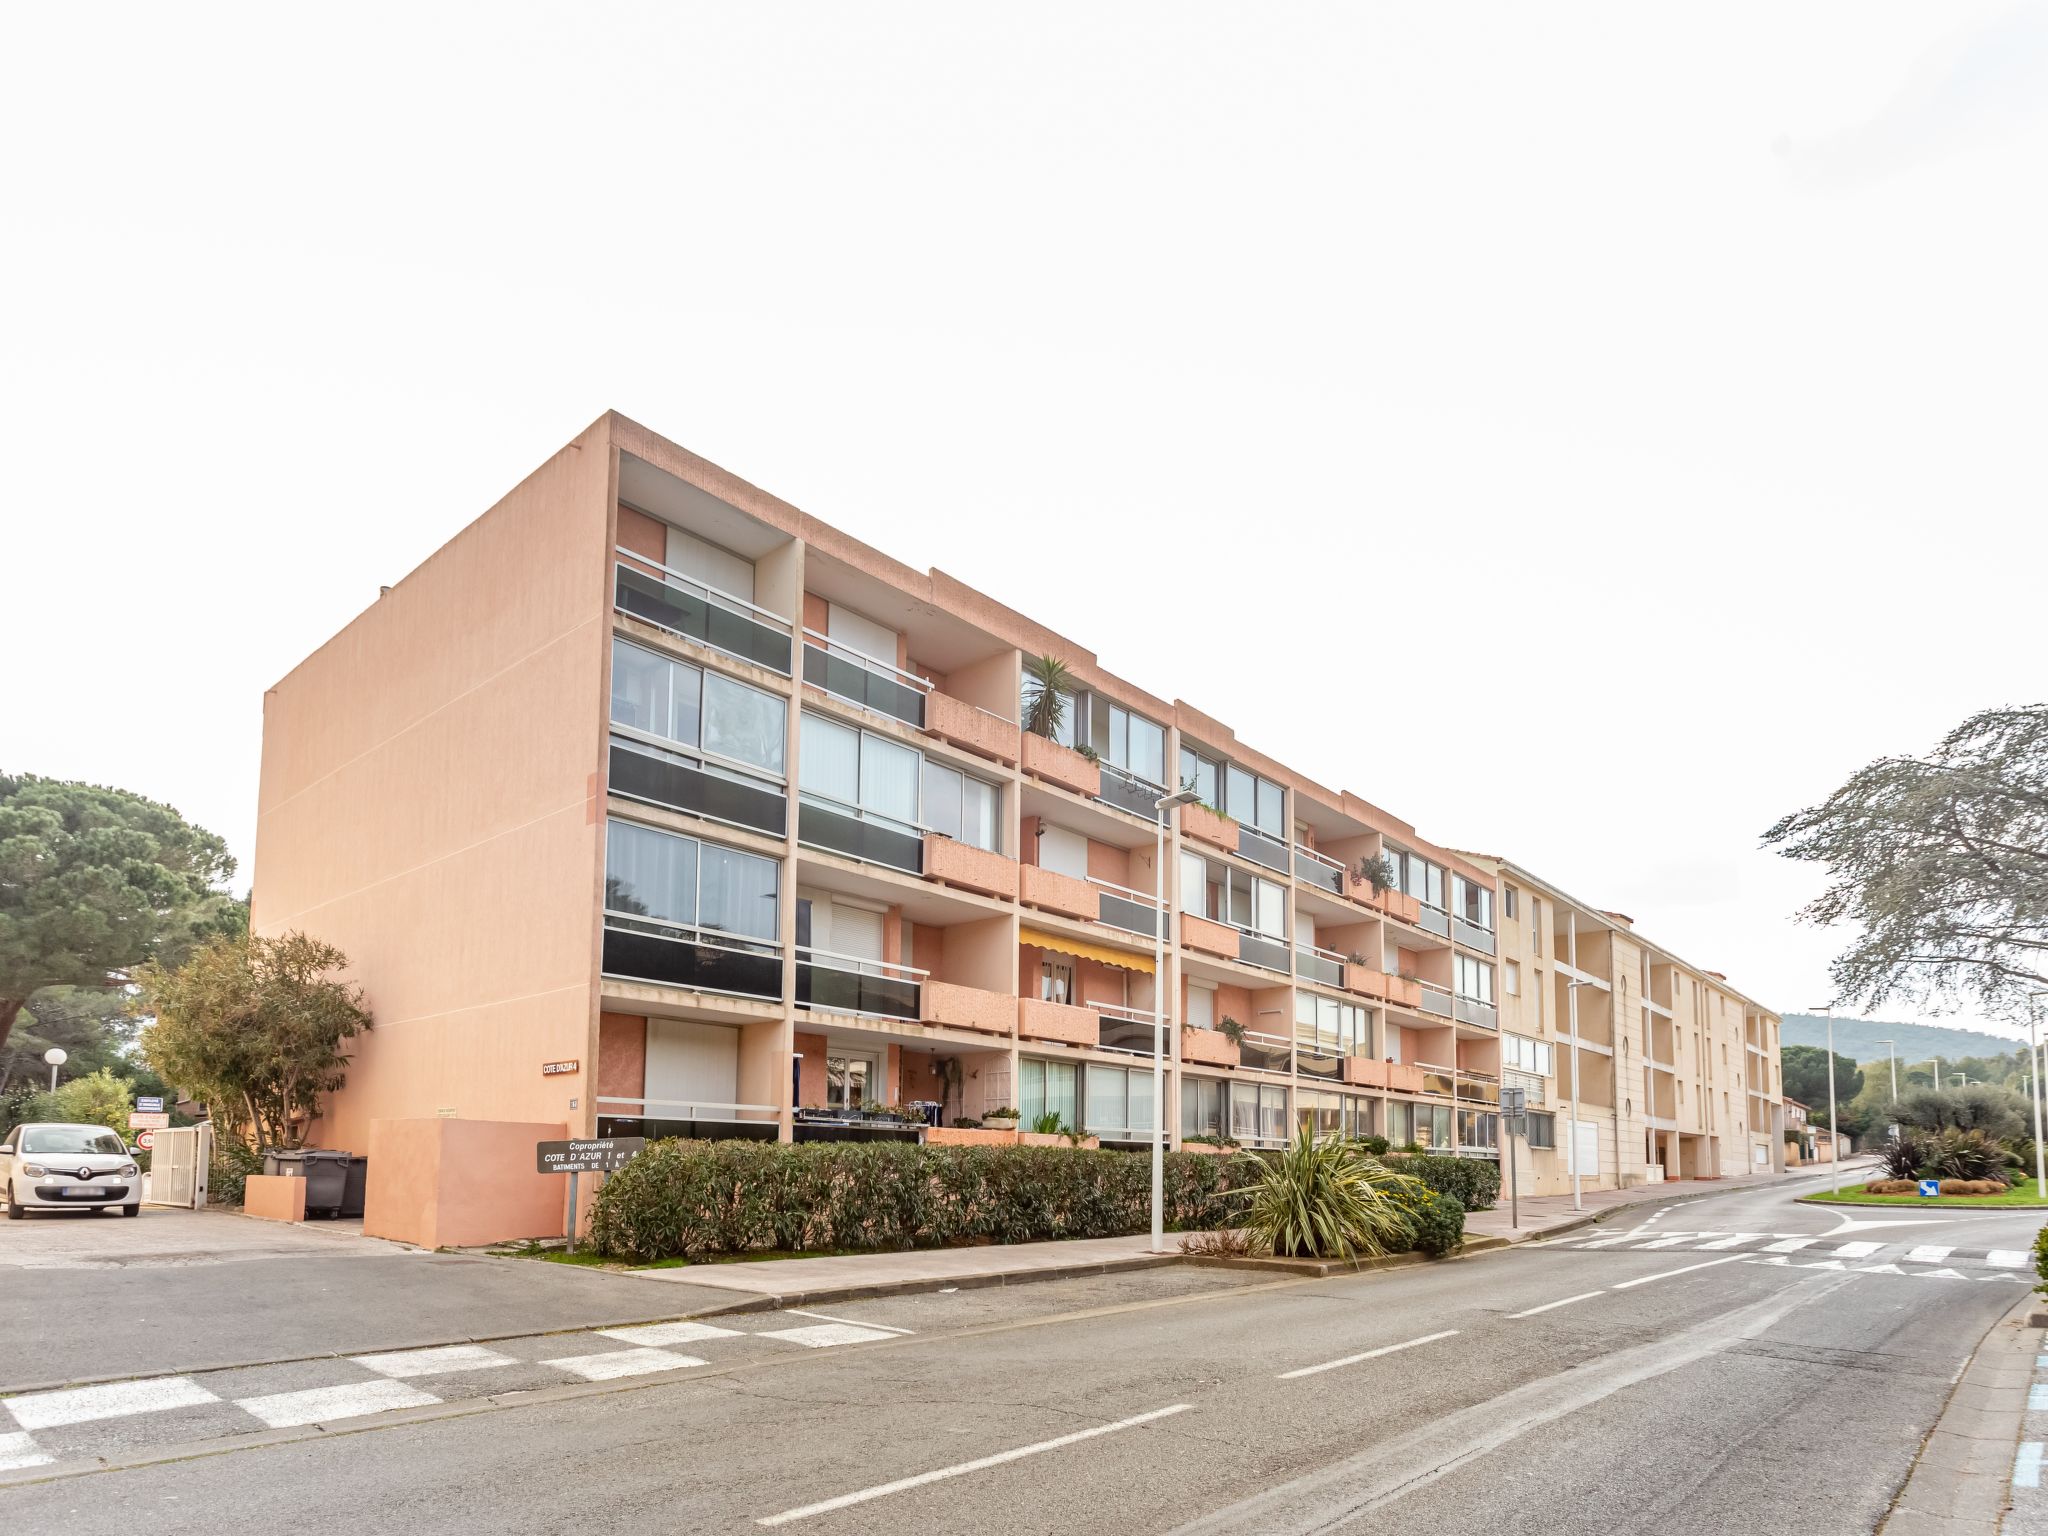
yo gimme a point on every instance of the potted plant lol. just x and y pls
(1375, 872)
(1049, 684)
(1231, 1030)
(1009, 1116)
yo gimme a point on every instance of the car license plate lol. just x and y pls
(86, 1191)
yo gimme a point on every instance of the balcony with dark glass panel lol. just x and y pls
(641, 770)
(1127, 792)
(1265, 1053)
(868, 681)
(1315, 869)
(1126, 1030)
(834, 983)
(1325, 967)
(834, 827)
(1263, 848)
(696, 610)
(703, 960)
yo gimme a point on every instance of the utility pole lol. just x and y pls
(1834, 1135)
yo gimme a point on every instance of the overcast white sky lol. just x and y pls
(1632, 415)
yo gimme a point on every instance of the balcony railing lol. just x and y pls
(661, 1119)
(1314, 1058)
(835, 983)
(1478, 1089)
(1132, 911)
(858, 834)
(1472, 936)
(1438, 1080)
(1127, 792)
(1434, 920)
(1128, 1030)
(866, 680)
(642, 770)
(1265, 1053)
(640, 948)
(1317, 870)
(1435, 999)
(1470, 1010)
(684, 606)
(1319, 965)
(1262, 847)
(1269, 954)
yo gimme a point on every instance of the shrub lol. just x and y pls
(1969, 1155)
(1972, 1187)
(1892, 1187)
(1901, 1159)
(1473, 1182)
(695, 1199)
(2041, 1259)
(229, 1172)
(1378, 1146)
(1998, 1112)
(1321, 1198)
(1437, 1221)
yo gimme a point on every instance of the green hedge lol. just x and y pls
(1437, 1218)
(695, 1199)
(229, 1172)
(1474, 1182)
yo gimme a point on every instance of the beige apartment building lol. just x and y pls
(650, 804)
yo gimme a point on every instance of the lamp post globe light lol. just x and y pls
(1166, 805)
(56, 1056)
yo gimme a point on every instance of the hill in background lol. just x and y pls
(1857, 1038)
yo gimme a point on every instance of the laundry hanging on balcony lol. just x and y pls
(1038, 938)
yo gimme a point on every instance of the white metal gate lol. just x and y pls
(178, 1159)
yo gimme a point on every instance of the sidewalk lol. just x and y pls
(1546, 1215)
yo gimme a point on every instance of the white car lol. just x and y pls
(46, 1167)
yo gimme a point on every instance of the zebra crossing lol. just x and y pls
(1791, 1250)
(42, 1428)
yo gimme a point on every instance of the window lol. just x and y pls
(1510, 899)
(1199, 774)
(1478, 1128)
(1055, 980)
(720, 569)
(1327, 1027)
(1137, 746)
(959, 806)
(1046, 1086)
(855, 768)
(1201, 1107)
(1119, 1102)
(1400, 1124)
(1472, 901)
(1201, 1004)
(850, 1081)
(692, 884)
(1417, 876)
(1474, 978)
(62, 1140)
(1543, 1132)
(1526, 1055)
(692, 708)
(1258, 1112)
(1322, 1113)
(1511, 978)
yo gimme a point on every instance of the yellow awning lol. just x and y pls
(1040, 939)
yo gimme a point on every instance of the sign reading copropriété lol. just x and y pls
(606, 1155)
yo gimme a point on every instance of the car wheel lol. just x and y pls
(14, 1212)
(132, 1210)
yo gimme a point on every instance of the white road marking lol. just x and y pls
(882, 1490)
(1854, 1250)
(1929, 1255)
(288, 1410)
(2037, 1396)
(1370, 1354)
(2026, 1465)
(1619, 1237)
(1676, 1238)
(668, 1333)
(1940, 1274)
(407, 1363)
(2007, 1258)
(825, 1335)
(18, 1450)
(824, 1318)
(116, 1400)
(1732, 1240)
(1790, 1245)
(1582, 1296)
(623, 1362)
(1881, 1269)
(1668, 1273)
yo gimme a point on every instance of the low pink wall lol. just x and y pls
(274, 1197)
(461, 1183)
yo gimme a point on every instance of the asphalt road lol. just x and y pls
(1732, 1378)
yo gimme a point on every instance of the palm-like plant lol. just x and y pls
(1321, 1199)
(1048, 685)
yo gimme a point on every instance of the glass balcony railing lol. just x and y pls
(848, 984)
(1318, 965)
(863, 680)
(1434, 920)
(1435, 999)
(1257, 949)
(1440, 1080)
(1311, 1062)
(844, 829)
(1132, 911)
(639, 949)
(1470, 1010)
(643, 772)
(1314, 869)
(672, 601)
(1127, 792)
(1124, 1029)
(1265, 1053)
(1472, 936)
(1262, 848)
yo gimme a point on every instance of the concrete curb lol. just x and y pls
(1961, 1481)
(763, 1301)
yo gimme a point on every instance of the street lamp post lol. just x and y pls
(1894, 1056)
(1165, 807)
(56, 1057)
(1571, 986)
(1834, 1136)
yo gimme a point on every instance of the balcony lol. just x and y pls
(1363, 980)
(1442, 1081)
(1129, 1030)
(1478, 1088)
(1265, 1053)
(1063, 1023)
(1268, 954)
(1263, 848)
(1431, 998)
(1046, 759)
(1366, 1071)
(1470, 1010)
(865, 680)
(847, 830)
(1312, 1061)
(1432, 919)
(1051, 891)
(649, 773)
(1207, 826)
(1121, 907)
(686, 607)
(1127, 792)
(1208, 938)
(1472, 936)
(966, 726)
(956, 1007)
(1391, 902)
(1207, 1048)
(833, 983)
(1312, 868)
(641, 949)
(1323, 966)
(972, 869)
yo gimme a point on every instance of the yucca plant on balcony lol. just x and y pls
(1321, 1199)
(1048, 684)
